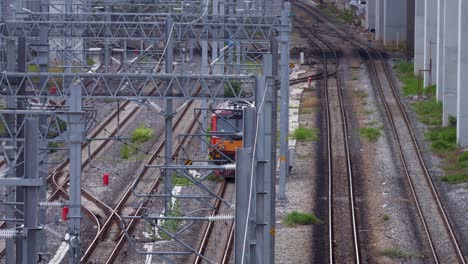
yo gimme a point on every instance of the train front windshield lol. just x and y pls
(229, 125)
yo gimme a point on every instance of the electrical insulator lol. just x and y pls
(51, 204)
(8, 233)
(220, 218)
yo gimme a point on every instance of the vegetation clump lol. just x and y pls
(405, 72)
(297, 218)
(396, 253)
(429, 111)
(305, 134)
(171, 225)
(443, 139)
(370, 133)
(140, 135)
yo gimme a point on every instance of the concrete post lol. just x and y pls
(284, 91)
(450, 60)
(419, 36)
(30, 192)
(370, 14)
(395, 23)
(462, 110)
(168, 121)
(76, 129)
(430, 39)
(440, 49)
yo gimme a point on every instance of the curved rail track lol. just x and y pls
(435, 222)
(120, 205)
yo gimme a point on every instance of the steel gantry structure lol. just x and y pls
(64, 52)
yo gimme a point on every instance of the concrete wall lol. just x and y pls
(379, 21)
(410, 21)
(440, 49)
(462, 83)
(395, 19)
(370, 14)
(419, 36)
(430, 39)
(450, 66)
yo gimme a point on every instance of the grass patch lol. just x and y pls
(405, 72)
(455, 178)
(179, 180)
(142, 134)
(214, 178)
(443, 139)
(396, 253)
(90, 61)
(126, 151)
(370, 133)
(385, 217)
(172, 225)
(305, 134)
(297, 218)
(429, 111)
(304, 110)
(360, 94)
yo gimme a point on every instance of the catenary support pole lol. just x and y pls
(30, 192)
(263, 210)
(11, 153)
(245, 225)
(284, 91)
(43, 57)
(21, 104)
(270, 149)
(76, 129)
(243, 180)
(168, 121)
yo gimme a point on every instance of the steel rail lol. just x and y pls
(369, 50)
(155, 185)
(344, 124)
(209, 227)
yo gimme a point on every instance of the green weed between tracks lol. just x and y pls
(305, 134)
(370, 133)
(297, 218)
(396, 253)
(140, 135)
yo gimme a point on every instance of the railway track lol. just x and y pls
(210, 248)
(343, 241)
(437, 227)
(114, 219)
(92, 206)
